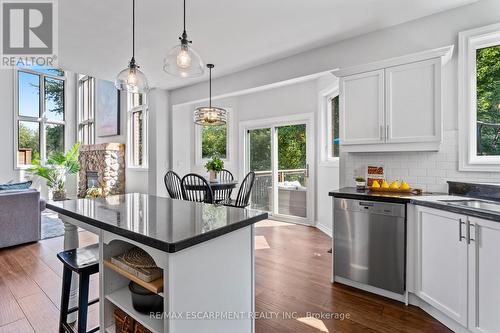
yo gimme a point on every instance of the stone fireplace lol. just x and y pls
(103, 166)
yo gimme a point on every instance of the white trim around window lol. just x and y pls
(229, 138)
(143, 108)
(325, 126)
(468, 42)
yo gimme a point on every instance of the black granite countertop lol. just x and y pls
(480, 213)
(163, 223)
(433, 200)
(353, 193)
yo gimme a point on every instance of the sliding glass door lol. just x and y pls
(278, 155)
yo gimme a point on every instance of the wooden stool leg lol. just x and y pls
(66, 286)
(83, 300)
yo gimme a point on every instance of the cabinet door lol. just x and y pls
(484, 276)
(413, 102)
(442, 262)
(362, 108)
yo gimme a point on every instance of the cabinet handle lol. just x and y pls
(387, 132)
(381, 132)
(460, 237)
(468, 232)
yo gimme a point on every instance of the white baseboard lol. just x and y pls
(327, 229)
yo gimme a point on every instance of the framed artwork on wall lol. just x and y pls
(107, 108)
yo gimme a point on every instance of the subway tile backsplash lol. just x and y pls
(426, 170)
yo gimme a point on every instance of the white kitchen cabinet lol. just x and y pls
(413, 102)
(362, 108)
(393, 105)
(442, 262)
(484, 276)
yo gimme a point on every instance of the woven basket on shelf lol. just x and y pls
(138, 258)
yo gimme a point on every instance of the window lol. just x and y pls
(333, 130)
(137, 129)
(479, 82)
(212, 141)
(40, 118)
(86, 110)
(329, 134)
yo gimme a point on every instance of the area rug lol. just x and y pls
(51, 225)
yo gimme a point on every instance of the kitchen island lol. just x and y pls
(206, 253)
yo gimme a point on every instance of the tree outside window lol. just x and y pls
(39, 122)
(488, 100)
(214, 141)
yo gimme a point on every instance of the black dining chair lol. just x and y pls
(243, 197)
(173, 185)
(222, 195)
(196, 188)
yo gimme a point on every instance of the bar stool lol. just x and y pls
(84, 262)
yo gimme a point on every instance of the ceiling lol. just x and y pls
(95, 35)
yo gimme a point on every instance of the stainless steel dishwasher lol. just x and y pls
(369, 243)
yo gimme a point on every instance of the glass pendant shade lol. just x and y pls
(132, 80)
(183, 61)
(210, 116)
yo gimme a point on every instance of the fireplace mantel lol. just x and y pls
(108, 160)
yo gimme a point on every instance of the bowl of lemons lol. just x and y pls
(383, 186)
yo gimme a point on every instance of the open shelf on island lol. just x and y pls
(155, 286)
(123, 299)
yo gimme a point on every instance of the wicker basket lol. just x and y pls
(123, 322)
(138, 328)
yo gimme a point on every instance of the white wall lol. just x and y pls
(292, 99)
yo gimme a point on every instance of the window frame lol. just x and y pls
(325, 132)
(42, 119)
(200, 161)
(81, 121)
(469, 41)
(144, 108)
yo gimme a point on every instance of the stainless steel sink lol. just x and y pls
(475, 204)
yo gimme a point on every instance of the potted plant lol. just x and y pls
(55, 170)
(360, 183)
(214, 166)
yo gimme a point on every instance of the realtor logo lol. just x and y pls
(28, 32)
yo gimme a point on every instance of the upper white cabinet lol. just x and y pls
(364, 121)
(413, 102)
(393, 105)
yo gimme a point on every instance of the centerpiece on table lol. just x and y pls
(214, 166)
(55, 170)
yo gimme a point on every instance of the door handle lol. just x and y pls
(381, 132)
(460, 237)
(307, 170)
(468, 232)
(387, 132)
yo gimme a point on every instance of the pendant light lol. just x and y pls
(182, 60)
(210, 115)
(131, 79)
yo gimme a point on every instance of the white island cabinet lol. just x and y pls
(206, 253)
(393, 105)
(457, 268)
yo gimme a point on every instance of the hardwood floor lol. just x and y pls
(292, 281)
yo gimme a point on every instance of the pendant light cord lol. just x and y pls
(133, 29)
(184, 15)
(210, 88)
